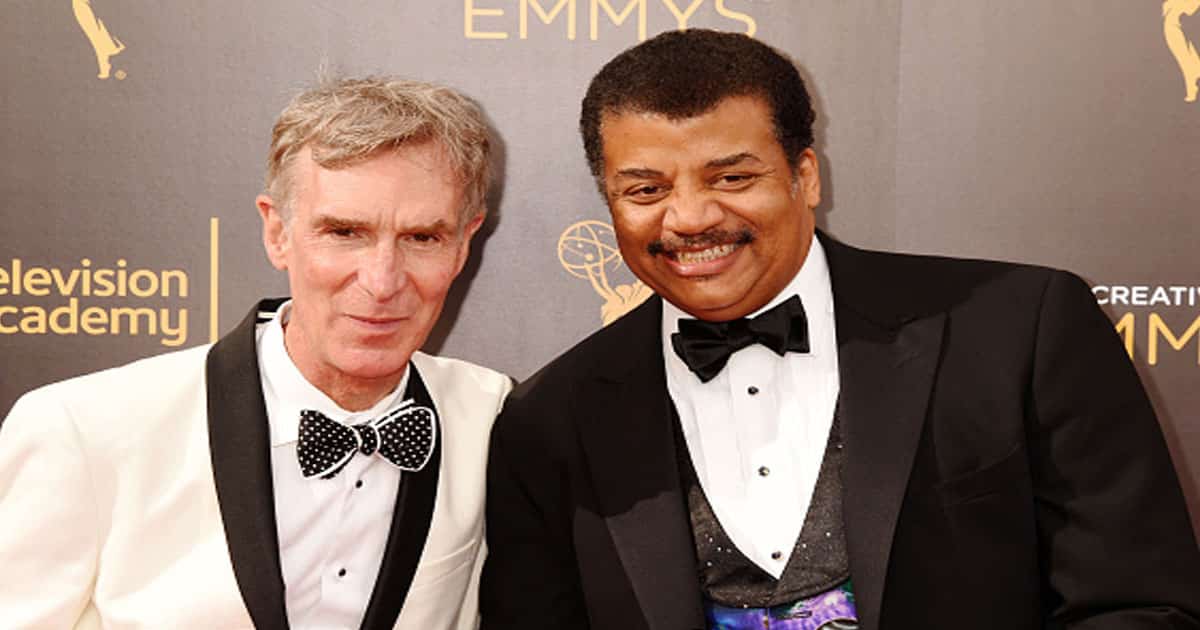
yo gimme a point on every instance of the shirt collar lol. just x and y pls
(286, 392)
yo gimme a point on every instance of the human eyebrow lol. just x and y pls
(732, 160)
(439, 226)
(639, 173)
(337, 224)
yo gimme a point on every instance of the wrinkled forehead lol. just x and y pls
(429, 156)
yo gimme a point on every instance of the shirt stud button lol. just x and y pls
(752, 390)
(763, 471)
(775, 555)
(358, 484)
(341, 573)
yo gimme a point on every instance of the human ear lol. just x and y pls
(274, 231)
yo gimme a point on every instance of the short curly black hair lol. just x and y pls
(682, 74)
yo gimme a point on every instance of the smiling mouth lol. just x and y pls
(705, 255)
(702, 248)
(376, 321)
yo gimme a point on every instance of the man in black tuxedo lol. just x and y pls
(795, 433)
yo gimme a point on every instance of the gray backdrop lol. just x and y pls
(1050, 132)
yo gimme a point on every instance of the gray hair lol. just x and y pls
(346, 121)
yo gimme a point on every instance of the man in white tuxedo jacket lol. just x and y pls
(312, 469)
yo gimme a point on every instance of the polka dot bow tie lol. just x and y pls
(403, 436)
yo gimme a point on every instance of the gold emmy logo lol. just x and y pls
(588, 250)
(105, 45)
(1177, 40)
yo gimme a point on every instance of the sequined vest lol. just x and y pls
(818, 561)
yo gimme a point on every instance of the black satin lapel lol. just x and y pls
(886, 381)
(239, 442)
(625, 427)
(410, 525)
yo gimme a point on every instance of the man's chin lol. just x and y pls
(714, 310)
(375, 363)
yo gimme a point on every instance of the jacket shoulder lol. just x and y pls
(628, 344)
(466, 395)
(912, 268)
(456, 373)
(136, 381)
(115, 405)
(914, 285)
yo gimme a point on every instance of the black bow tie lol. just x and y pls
(706, 346)
(403, 436)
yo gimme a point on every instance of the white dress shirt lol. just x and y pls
(332, 532)
(757, 455)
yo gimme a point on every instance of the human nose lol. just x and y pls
(692, 213)
(381, 273)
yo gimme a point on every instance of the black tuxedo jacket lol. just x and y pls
(1005, 469)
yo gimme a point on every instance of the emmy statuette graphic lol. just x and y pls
(105, 45)
(588, 250)
(1177, 40)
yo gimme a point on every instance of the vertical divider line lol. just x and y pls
(214, 237)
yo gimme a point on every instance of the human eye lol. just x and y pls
(646, 193)
(734, 181)
(423, 239)
(340, 230)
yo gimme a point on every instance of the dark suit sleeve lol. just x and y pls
(529, 579)
(1117, 548)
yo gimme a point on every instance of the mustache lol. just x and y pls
(711, 238)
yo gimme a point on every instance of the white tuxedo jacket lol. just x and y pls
(140, 497)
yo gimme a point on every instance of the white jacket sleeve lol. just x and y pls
(49, 534)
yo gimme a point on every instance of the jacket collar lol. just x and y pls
(889, 341)
(240, 447)
(239, 443)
